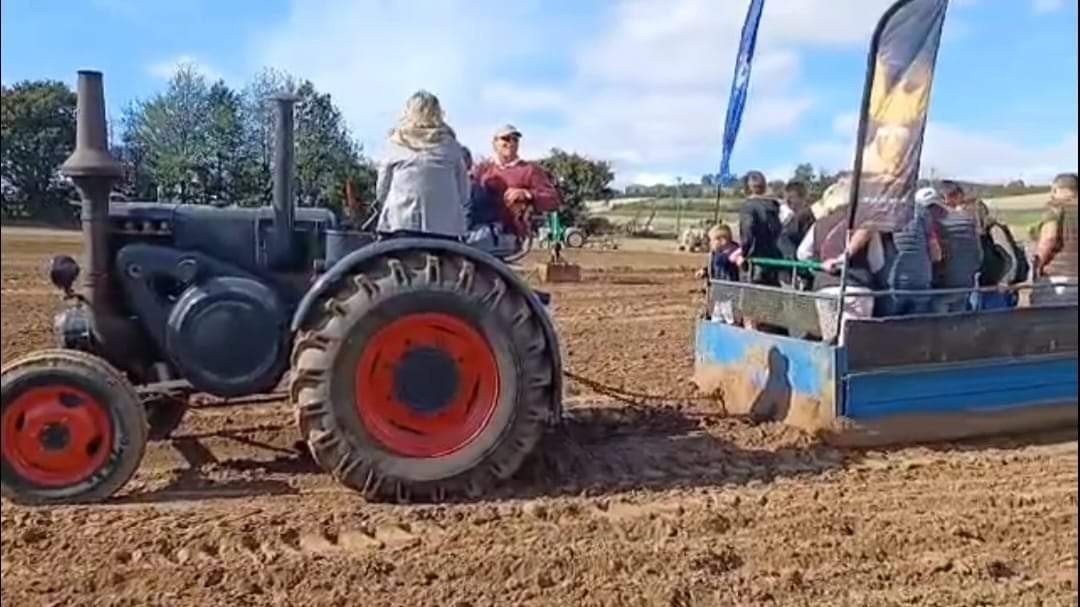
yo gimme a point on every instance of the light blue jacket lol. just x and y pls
(423, 191)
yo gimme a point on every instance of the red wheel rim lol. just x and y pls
(467, 408)
(56, 436)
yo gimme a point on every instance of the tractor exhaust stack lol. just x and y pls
(284, 197)
(94, 171)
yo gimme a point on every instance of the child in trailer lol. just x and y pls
(722, 246)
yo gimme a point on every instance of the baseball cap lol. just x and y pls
(928, 197)
(507, 129)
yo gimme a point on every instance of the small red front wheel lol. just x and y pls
(73, 428)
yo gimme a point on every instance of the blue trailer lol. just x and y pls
(873, 379)
(894, 380)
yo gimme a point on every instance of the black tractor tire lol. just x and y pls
(327, 360)
(97, 425)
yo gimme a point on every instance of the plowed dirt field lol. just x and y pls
(647, 498)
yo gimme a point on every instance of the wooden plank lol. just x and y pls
(921, 340)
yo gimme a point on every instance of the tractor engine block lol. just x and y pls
(223, 329)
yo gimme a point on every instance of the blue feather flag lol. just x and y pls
(740, 83)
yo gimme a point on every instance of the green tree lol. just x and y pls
(578, 179)
(821, 183)
(258, 119)
(198, 142)
(327, 157)
(37, 133)
(170, 135)
(326, 154)
(225, 173)
(805, 173)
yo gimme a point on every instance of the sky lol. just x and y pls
(641, 83)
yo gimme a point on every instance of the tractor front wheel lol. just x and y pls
(426, 375)
(74, 430)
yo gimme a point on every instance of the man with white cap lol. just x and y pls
(930, 200)
(915, 250)
(521, 186)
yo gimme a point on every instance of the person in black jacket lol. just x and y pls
(759, 229)
(796, 224)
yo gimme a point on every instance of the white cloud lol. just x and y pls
(989, 156)
(526, 98)
(955, 152)
(166, 68)
(1042, 7)
(650, 179)
(646, 88)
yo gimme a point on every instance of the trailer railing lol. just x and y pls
(814, 314)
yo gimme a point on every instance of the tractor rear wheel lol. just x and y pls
(74, 430)
(424, 376)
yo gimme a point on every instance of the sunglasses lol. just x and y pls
(509, 138)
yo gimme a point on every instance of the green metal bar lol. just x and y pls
(556, 227)
(813, 266)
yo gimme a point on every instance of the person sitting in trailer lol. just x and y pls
(956, 199)
(721, 247)
(1055, 260)
(793, 201)
(796, 221)
(1004, 263)
(795, 227)
(915, 249)
(961, 256)
(824, 242)
(759, 230)
(422, 186)
(522, 187)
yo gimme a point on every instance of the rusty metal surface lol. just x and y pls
(767, 376)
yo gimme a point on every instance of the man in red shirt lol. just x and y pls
(521, 186)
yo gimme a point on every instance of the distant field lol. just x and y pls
(1020, 213)
(1018, 203)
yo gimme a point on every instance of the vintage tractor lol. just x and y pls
(416, 367)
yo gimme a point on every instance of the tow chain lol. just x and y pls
(629, 396)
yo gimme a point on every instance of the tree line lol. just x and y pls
(816, 182)
(204, 142)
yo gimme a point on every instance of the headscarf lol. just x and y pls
(421, 125)
(835, 197)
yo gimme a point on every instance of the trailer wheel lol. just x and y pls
(424, 376)
(74, 430)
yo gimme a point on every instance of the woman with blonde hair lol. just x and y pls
(422, 186)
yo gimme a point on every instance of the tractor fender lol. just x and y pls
(346, 266)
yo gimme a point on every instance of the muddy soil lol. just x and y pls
(648, 496)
